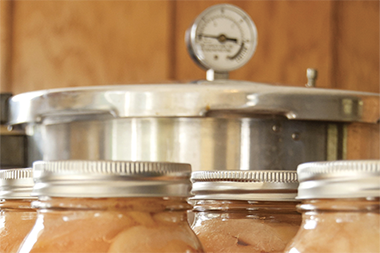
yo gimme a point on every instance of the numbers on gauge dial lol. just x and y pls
(224, 39)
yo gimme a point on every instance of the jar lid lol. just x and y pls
(204, 98)
(245, 185)
(16, 183)
(98, 179)
(339, 179)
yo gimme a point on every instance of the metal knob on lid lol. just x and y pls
(311, 75)
(16, 183)
(97, 179)
(339, 179)
(245, 185)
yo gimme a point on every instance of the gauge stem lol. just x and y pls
(212, 75)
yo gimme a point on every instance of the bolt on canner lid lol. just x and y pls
(16, 183)
(99, 179)
(245, 185)
(339, 179)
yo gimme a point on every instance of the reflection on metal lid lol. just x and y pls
(16, 183)
(339, 179)
(195, 100)
(97, 179)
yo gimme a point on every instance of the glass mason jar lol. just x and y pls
(245, 211)
(340, 207)
(16, 215)
(111, 206)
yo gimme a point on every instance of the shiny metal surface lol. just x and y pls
(16, 183)
(267, 143)
(193, 100)
(212, 75)
(219, 125)
(97, 179)
(245, 185)
(224, 47)
(12, 143)
(339, 179)
(311, 75)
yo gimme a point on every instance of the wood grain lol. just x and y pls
(6, 8)
(356, 45)
(85, 43)
(81, 43)
(292, 36)
(363, 141)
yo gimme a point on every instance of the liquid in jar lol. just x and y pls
(340, 207)
(16, 215)
(110, 207)
(241, 211)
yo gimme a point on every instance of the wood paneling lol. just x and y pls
(356, 45)
(83, 43)
(53, 44)
(363, 141)
(292, 36)
(5, 45)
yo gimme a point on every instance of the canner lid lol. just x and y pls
(203, 98)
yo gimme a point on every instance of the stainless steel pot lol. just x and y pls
(12, 143)
(218, 125)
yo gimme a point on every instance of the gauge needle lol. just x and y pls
(221, 38)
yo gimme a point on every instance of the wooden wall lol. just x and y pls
(50, 44)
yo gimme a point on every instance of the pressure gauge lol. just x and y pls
(222, 38)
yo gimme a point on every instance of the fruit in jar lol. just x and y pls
(144, 239)
(349, 232)
(244, 235)
(113, 225)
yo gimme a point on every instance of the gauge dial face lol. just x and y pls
(222, 38)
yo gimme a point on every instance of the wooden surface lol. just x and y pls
(356, 46)
(82, 43)
(292, 36)
(363, 141)
(5, 45)
(52, 44)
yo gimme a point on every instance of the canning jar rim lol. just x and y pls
(104, 178)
